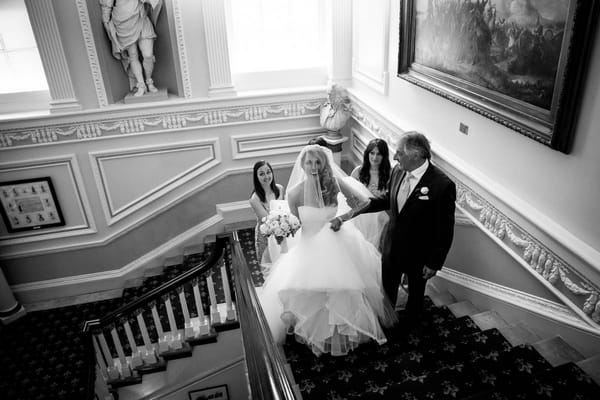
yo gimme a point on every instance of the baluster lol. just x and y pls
(113, 372)
(163, 342)
(204, 321)
(228, 302)
(148, 354)
(188, 328)
(136, 356)
(215, 316)
(125, 370)
(100, 358)
(175, 334)
(101, 387)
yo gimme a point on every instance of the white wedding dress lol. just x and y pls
(327, 287)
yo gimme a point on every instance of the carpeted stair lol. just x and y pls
(443, 357)
(44, 353)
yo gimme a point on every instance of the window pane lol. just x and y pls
(20, 64)
(270, 35)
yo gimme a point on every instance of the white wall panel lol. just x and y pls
(271, 143)
(129, 179)
(371, 41)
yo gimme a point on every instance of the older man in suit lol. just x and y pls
(421, 200)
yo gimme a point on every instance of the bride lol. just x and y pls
(326, 290)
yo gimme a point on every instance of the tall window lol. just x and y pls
(267, 36)
(20, 64)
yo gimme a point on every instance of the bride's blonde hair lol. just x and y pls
(329, 187)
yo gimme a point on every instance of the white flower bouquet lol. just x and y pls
(280, 224)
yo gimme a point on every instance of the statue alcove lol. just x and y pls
(115, 78)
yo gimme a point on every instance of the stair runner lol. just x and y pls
(445, 357)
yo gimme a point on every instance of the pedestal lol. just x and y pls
(334, 142)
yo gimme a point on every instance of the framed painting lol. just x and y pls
(211, 393)
(29, 204)
(521, 64)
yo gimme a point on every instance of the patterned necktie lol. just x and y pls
(404, 190)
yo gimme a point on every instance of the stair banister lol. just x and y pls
(95, 327)
(168, 287)
(267, 375)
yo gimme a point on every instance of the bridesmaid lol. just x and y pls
(265, 190)
(374, 173)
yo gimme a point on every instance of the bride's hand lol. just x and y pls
(336, 224)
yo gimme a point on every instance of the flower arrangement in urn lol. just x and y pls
(280, 224)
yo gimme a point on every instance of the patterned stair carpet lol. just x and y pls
(444, 357)
(44, 353)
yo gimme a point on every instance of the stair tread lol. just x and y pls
(463, 308)
(193, 249)
(489, 319)
(557, 351)
(173, 260)
(518, 334)
(591, 366)
(442, 298)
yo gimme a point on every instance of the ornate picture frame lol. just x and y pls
(524, 71)
(29, 204)
(210, 393)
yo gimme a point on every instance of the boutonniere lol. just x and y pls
(422, 193)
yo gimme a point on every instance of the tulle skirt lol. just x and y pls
(326, 290)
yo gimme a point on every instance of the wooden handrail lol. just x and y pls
(163, 289)
(267, 375)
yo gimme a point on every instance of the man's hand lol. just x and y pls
(336, 224)
(428, 272)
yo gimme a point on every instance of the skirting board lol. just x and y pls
(545, 317)
(79, 289)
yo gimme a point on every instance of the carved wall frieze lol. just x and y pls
(11, 138)
(540, 258)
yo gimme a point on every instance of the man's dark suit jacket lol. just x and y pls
(421, 233)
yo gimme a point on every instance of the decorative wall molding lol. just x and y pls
(562, 279)
(134, 221)
(183, 62)
(70, 165)
(90, 47)
(114, 212)
(271, 143)
(567, 282)
(359, 142)
(151, 122)
(517, 298)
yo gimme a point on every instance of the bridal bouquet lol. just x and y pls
(280, 224)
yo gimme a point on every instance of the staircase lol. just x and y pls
(457, 352)
(186, 303)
